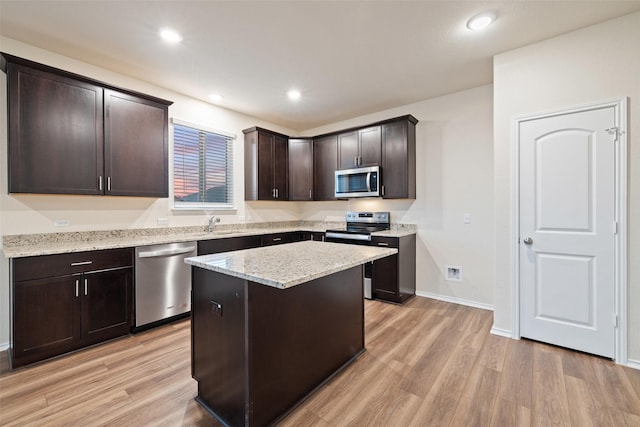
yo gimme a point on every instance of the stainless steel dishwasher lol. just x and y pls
(163, 283)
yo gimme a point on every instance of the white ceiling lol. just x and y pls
(348, 58)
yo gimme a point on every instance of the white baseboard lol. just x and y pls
(501, 332)
(4, 346)
(635, 364)
(455, 300)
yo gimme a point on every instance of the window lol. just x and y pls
(202, 167)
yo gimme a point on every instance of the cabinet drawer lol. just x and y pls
(276, 239)
(39, 267)
(387, 242)
(214, 246)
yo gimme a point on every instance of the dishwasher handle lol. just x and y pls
(166, 252)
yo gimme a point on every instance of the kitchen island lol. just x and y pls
(272, 324)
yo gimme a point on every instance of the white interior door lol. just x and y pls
(567, 230)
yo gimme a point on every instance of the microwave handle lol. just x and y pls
(369, 181)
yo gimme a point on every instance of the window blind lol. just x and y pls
(203, 168)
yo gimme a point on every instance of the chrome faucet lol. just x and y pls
(212, 221)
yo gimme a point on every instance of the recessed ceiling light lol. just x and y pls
(293, 94)
(481, 21)
(215, 97)
(170, 36)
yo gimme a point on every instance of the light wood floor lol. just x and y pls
(427, 363)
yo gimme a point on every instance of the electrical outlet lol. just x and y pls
(454, 273)
(61, 223)
(466, 218)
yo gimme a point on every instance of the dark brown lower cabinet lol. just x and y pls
(258, 350)
(85, 299)
(394, 277)
(214, 246)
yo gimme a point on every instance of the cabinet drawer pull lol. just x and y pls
(77, 285)
(383, 244)
(277, 239)
(75, 264)
(86, 287)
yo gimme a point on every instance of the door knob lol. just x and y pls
(528, 241)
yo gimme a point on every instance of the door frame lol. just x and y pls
(620, 239)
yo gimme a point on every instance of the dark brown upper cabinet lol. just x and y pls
(69, 134)
(391, 144)
(266, 165)
(300, 169)
(359, 148)
(136, 151)
(325, 163)
(399, 158)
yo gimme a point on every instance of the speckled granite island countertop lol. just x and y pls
(284, 266)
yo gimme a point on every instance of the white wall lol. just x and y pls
(454, 139)
(26, 213)
(596, 63)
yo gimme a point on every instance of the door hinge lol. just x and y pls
(614, 320)
(613, 131)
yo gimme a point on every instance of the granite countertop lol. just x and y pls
(17, 246)
(284, 266)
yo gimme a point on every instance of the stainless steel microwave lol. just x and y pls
(360, 182)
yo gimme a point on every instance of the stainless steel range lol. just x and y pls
(359, 227)
(358, 231)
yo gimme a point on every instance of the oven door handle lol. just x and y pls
(347, 236)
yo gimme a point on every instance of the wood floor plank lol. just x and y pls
(634, 378)
(477, 401)
(494, 352)
(550, 404)
(618, 392)
(516, 383)
(585, 405)
(423, 374)
(439, 406)
(428, 363)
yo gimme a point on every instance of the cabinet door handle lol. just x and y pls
(100, 183)
(383, 244)
(273, 193)
(108, 183)
(277, 193)
(86, 287)
(382, 188)
(77, 286)
(309, 194)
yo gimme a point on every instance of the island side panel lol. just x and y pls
(218, 322)
(299, 337)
